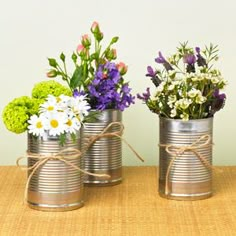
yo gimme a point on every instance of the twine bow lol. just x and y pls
(64, 155)
(92, 139)
(176, 151)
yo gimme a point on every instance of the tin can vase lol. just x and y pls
(105, 155)
(55, 185)
(190, 155)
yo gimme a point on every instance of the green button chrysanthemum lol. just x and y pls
(43, 89)
(17, 112)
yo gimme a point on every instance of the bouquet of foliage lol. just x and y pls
(188, 86)
(51, 110)
(95, 73)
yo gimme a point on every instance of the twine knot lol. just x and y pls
(176, 152)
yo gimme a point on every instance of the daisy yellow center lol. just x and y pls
(58, 99)
(50, 108)
(39, 125)
(69, 122)
(54, 123)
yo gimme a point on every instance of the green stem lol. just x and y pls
(64, 74)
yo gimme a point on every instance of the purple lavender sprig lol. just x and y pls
(161, 60)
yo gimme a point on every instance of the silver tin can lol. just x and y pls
(189, 178)
(105, 155)
(55, 186)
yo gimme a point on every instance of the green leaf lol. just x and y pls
(52, 62)
(92, 116)
(62, 139)
(62, 57)
(73, 136)
(77, 78)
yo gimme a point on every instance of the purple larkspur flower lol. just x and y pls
(125, 88)
(161, 60)
(107, 91)
(77, 93)
(145, 96)
(201, 61)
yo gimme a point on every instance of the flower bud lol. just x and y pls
(98, 36)
(111, 54)
(95, 28)
(114, 39)
(122, 68)
(86, 41)
(52, 74)
(80, 49)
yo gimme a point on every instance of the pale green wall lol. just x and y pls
(33, 30)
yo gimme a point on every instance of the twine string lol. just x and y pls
(176, 152)
(105, 134)
(60, 156)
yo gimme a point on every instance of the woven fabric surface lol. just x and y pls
(131, 208)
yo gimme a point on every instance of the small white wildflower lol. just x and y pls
(171, 87)
(215, 80)
(173, 113)
(193, 92)
(184, 103)
(184, 117)
(200, 99)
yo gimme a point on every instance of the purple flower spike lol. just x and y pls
(218, 101)
(189, 59)
(198, 50)
(150, 72)
(145, 96)
(162, 60)
(200, 60)
(153, 74)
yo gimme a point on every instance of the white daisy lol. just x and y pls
(48, 107)
(56, 123)
(73, 124)
(37, 125)
(80, 106)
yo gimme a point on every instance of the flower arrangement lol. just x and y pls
(59, 116)
(51, 110)
(188, 86)
(95, 74)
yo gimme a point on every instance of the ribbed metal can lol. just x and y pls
(55, 186)
(189, 178)
(105, 155)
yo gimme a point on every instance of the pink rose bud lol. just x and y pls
(86, 41)
(52, 73)
(111, 54)
(122, 68)
(95, 27)
(80, 48)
